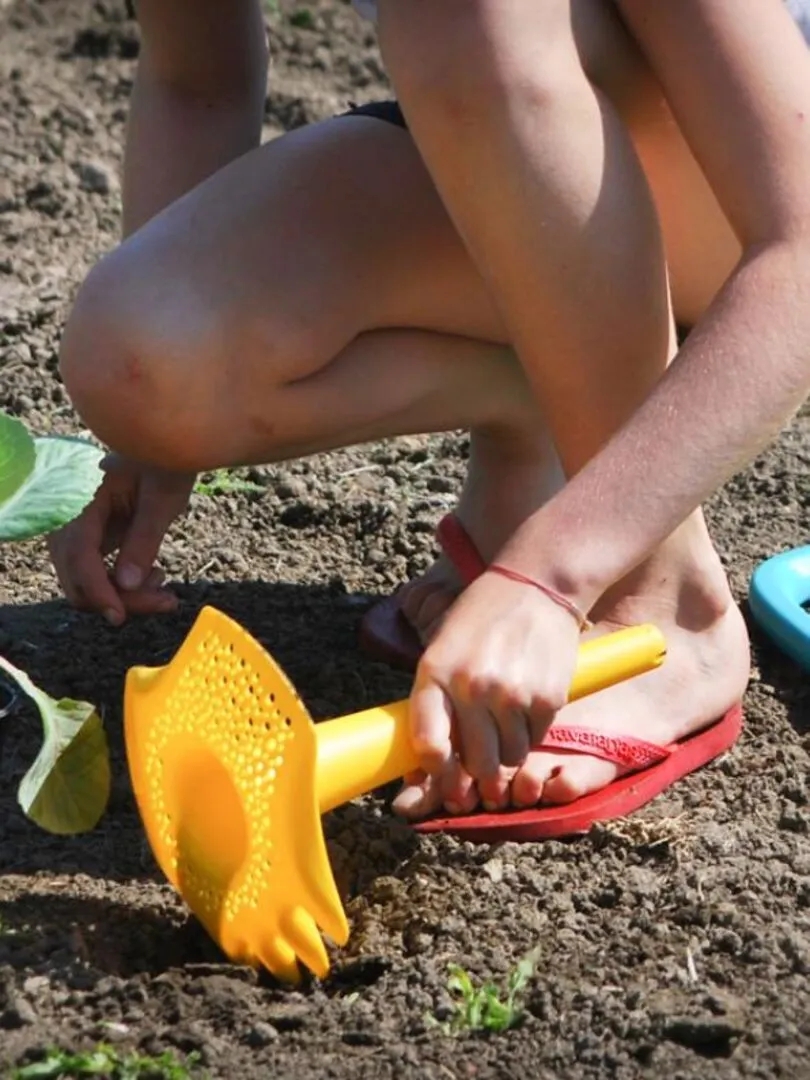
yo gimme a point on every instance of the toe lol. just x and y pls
(422, 795)
(530, 779)
(431, 629)
(419, 796)
(495, 792)
(577, 775)
(424, 606)
(460, 794)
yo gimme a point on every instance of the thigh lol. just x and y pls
(280, 259)
(699, 244)
(300, 246)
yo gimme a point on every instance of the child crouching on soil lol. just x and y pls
(507, 248)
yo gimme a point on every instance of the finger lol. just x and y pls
(477, 738)
(152, 598)
(544, 704)
(417, 595)
(155, 602)
(80, 567)
(93, 591)
(120, 484)
(514, 735)
(155, 579)
(140, 546)
(431, 725)
(114, 533)
(540, 718)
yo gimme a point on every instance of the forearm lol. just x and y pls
(736, 382)
(177, 136)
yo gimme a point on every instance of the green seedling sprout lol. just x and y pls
(105, 1062)
(483, 1008)
(303, 18)
(46, 482)
(224, 482)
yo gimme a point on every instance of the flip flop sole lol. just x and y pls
(386, 635)
(622, 797)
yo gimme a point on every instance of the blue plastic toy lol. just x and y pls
(779, 593)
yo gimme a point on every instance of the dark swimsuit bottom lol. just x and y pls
(380, 110)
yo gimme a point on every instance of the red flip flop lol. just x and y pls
(655, 769)
(384, 632)
(385, 635)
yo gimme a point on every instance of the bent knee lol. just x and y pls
(169, 379)
(466, 51)
(461, 54)
(124, 387)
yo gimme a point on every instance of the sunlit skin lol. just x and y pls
(634, 165)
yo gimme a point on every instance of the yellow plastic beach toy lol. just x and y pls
(231, 777)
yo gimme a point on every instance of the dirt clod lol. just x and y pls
(675, 943)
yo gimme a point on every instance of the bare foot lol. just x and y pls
(683, 590)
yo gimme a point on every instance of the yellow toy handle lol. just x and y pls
(364, 750)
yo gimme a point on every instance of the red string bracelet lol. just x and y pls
(562, 601)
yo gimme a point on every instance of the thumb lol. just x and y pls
(431, 725)
(152, 516)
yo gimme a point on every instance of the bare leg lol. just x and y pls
(260, 317)
(522, 97)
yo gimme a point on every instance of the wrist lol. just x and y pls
(558, 598)
(566, 559)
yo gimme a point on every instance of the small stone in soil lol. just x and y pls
(18, 1014)
(261, 1034)
(793, 820)
(96, 177)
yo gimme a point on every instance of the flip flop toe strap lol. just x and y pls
(458, 546)
(624, 750)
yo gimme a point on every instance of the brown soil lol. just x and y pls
(680, 936)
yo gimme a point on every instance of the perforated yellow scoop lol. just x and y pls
(231, 777)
